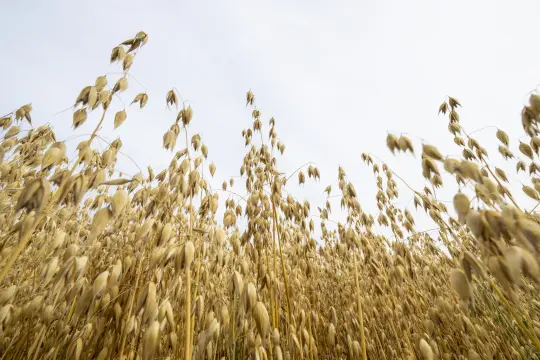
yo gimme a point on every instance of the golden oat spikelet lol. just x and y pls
(521, 166)
(100, 83)
(187, 255)
(141, 98)
(462, 206)
(119, 118)
(460, 283)
(186, 114)
(128, 61)
(454, 128)
(250, 98)
(503, 137)
(169, 140)
(118, 54)
(105, 98)
(100, 284)
(121, 85)
(12, 132)
(404, 144)
(6, 122)
(443, 108)
(459, 141)
(425, 350)
(526, 150)
(432, 152)
(453, 102)
(172, 98)
(262, 319)
(34, 195)
(93, 98)
(531, 192)
(119, 201)
(24, 112)
(79, 117)
(301, 178)
(451, 165)
(501, 174)
(142, 37)
(535, 144)
(100, 221)
(534, 100)
(120, 181)
(53, 156)
(103, 354)
(82, 98)
(392, 142)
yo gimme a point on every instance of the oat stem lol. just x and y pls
(274, 217)
(360, 312)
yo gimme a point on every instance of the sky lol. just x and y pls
(336, 76)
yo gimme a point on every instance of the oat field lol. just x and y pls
(97, 265)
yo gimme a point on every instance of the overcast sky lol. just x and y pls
(336, 75)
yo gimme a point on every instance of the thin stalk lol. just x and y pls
(6, 350)
(529, 321)
(380, 346)
(274, 218)
(131, 301)
(36, 344)
(197, 277)
(273, 312)
(310, 345)
(233, 324)
(534, 208)
(188, 313)
(360, 312)
(42, 333)
(274, 256)
(510, 309)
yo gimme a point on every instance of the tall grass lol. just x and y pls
(95, 265)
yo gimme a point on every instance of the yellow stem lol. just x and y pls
(310, 346)
(131, 301)
(276, 313)
(508, 307)
(274, 323)
(274, 212)
(360, 312)
(198, 276)
(233, 324)
(188, 313)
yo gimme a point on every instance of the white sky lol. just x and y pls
(336, 75)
